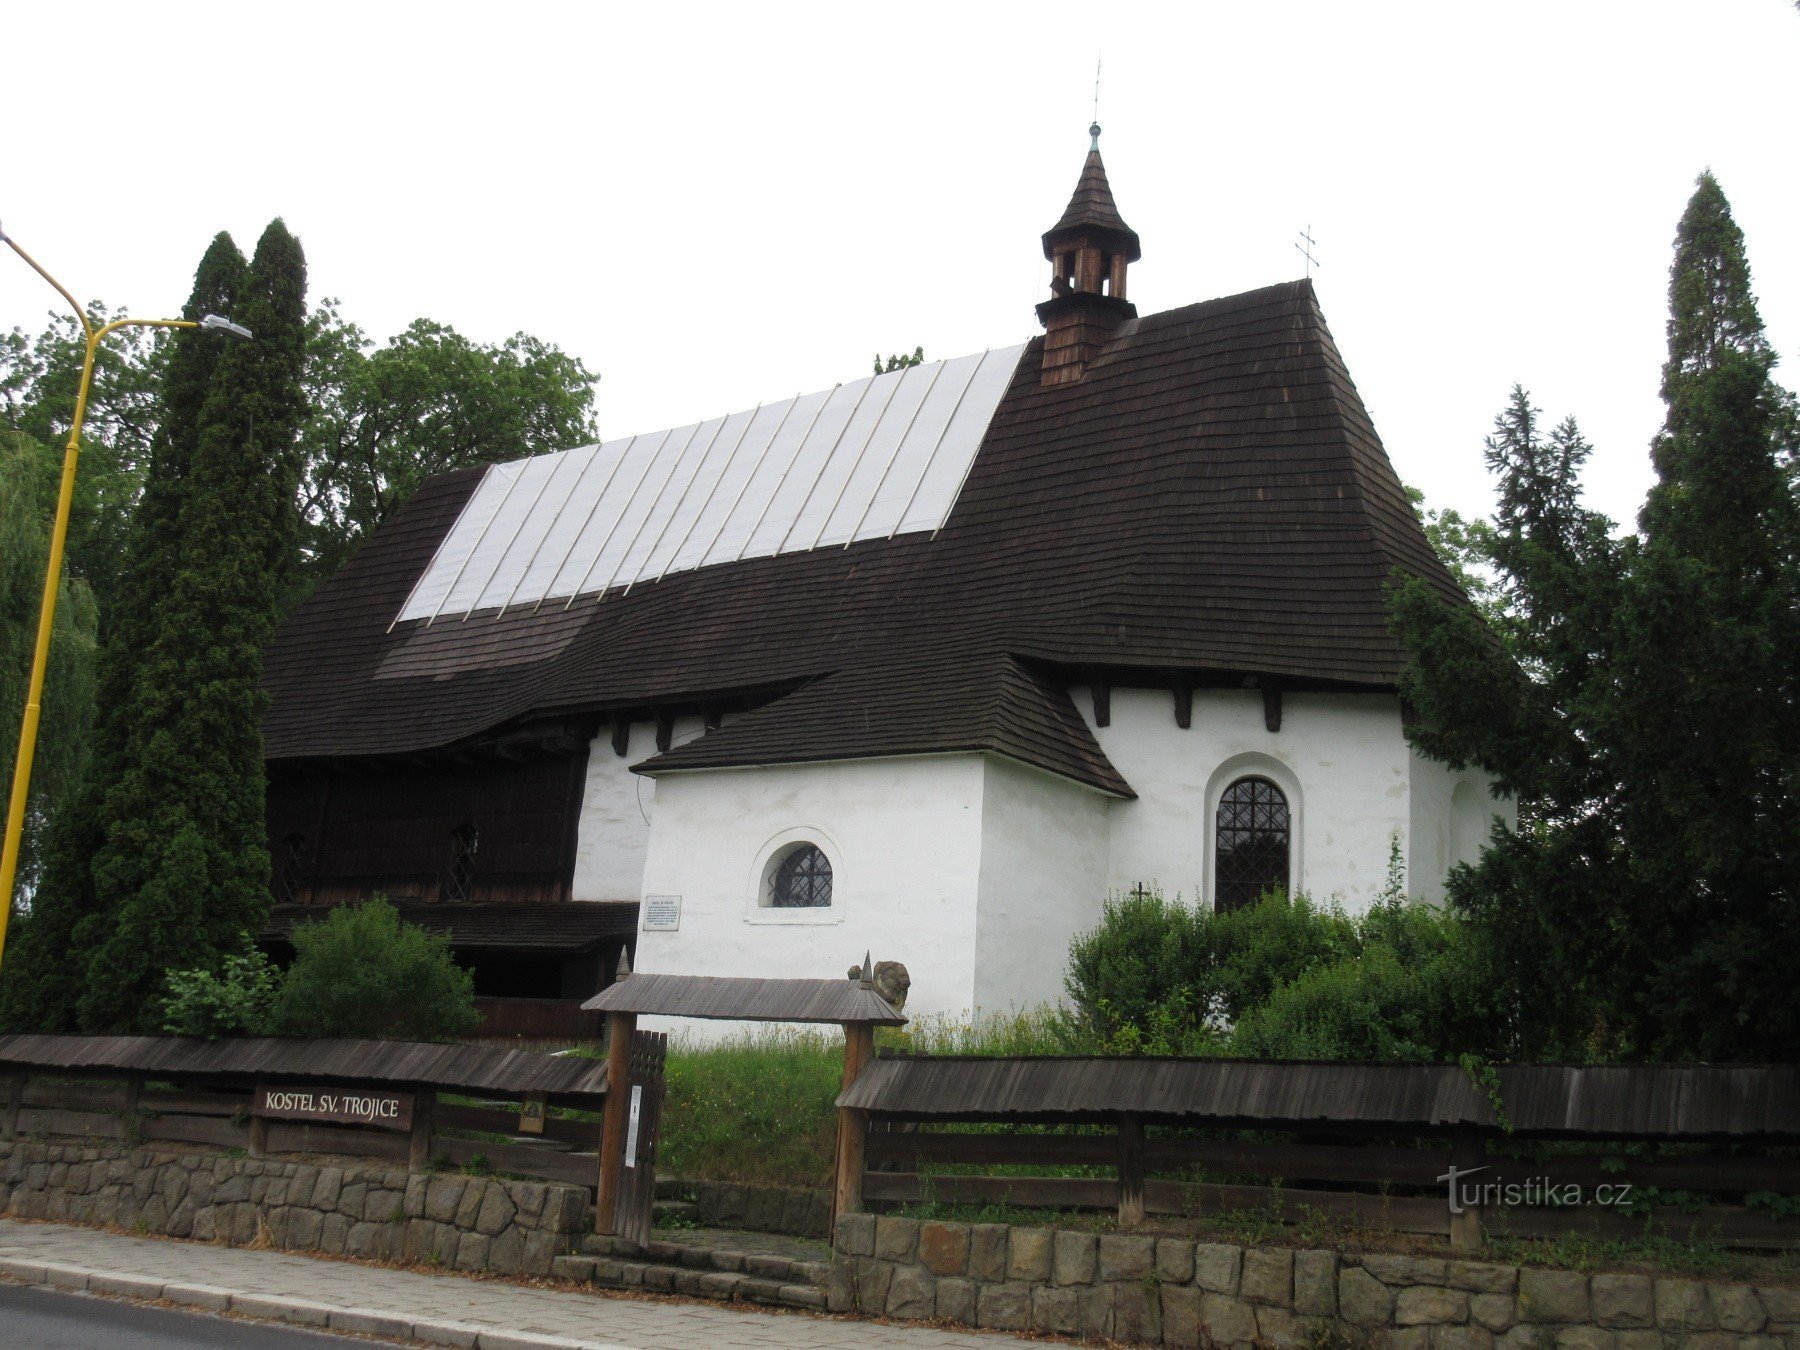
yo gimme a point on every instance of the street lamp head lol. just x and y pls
(218, 323)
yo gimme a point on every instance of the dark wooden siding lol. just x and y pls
(390, 828)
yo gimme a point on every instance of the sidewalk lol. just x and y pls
(435, 1309)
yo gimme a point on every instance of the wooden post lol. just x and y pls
(619, 1030)
(15, 1098)
(853, 1126)
(259, 1136)
(418, 1153)
(1131, 1171)
(1467, 1154)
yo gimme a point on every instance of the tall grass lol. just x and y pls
(757, 1108)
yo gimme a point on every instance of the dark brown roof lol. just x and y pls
(746, 999)
(1093, 210)
(1210, 498)
(471, 1067)
(564, 927)
(1666, 1100)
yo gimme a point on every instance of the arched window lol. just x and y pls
(1253, 839)
(799, 878)
(459, 882)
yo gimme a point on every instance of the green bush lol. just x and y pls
(233, 1001)
(361, 972)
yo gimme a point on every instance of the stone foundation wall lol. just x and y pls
(1178, 1292)
(470, 1223)
(793, 1210)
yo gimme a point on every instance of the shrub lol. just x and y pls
(234, 1001)
(362, 972)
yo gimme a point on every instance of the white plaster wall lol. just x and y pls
(613, 834)
(904, 839)
(1043, 879)
(1452, 814)
(1341, 758)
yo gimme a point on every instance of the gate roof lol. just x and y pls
(747, 999)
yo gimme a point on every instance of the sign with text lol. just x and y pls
(662, 913)
(335, 1106)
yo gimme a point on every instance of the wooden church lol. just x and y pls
(925, 664)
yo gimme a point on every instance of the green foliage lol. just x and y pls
(757, 1109)
(362, 972)
(382, 420)
(1648, 718)
(232, 1001)
(898, 362)
(191, 766)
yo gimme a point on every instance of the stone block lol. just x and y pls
(1405, 1270)
(987, 1251)
(1461, 1338)
(1181, 1317)
(528, 1196)
(472, 1252)
(1003, 1307)
(541, 1251)
(1407, 1338)
(1427, 1305)
(1055, 1310)
(1737, 1308)
(855, 1234)
(956, 1301)
(1363, 1300)
(1584, 1338)
(1682, 1305)
(1028, 1255)
(1279, 1329)
(1623, 1300)
(1137, 1311)
(506, 1253)
(896, 1239)
(870, 1279)
(1481, 1277)
(1315, 1284)
(1174, 1261)
(497, 1212)
(944, 1248)
(1096, 1303)
(912, 1293)
(1553, 1296)
(1496, 1312)
(1216, 1266)
(413, 1202)
(443, 1195)
(333, 1230)
(1781, 1303)
(840, 1285)
(1125, 1257)
(1227, 1321)
(303, 1229)
(1074, 1258)
(1641, 1340)
(1269, 1277)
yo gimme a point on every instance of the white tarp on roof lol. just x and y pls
(881, 456)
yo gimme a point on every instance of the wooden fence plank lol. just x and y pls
(1373, 1165)
(86, 1124)
(997, 1150)
(195, 1130)
(187, 1102)
(286, 1136)
(578, 1169)
(1025, 1192)
(68, 1096)
(498, 1120)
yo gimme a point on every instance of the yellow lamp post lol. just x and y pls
(28, 726)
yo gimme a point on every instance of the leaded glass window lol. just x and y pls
(290, 864)
(801, 880)
(1253, 838)
(459, 883)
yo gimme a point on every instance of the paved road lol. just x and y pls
(50, 1319)
(436, 1309)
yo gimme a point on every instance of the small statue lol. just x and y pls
(890, 979)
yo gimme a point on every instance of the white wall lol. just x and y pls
(613, 835)
(1341, 758)
(1043, 879)
(904, 839)
(1452, 814)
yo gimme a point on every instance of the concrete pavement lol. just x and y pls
(433, 1309)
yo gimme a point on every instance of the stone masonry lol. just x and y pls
(354, 1209)
(1144, 1290)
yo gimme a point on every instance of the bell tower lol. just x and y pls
(1089, 249)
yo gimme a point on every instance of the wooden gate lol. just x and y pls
(637, 1184)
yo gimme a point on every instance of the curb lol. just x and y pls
(295, 1312)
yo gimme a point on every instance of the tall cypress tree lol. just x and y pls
(185, 866)
(47, 965)
(1707, 707)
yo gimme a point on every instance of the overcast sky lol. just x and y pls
(715, 206)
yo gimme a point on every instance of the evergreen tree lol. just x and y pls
(46, 966)
(184, 869)
(1707, 713)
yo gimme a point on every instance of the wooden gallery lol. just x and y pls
(924, 664)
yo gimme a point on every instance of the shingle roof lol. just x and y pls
(1092, 208)
(1209, 498)
(745, 998)
(545, 927)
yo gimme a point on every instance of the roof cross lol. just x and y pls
(1306, 243)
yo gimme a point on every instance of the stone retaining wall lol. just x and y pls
(1179, 1292)
(356, 1209)
(793, 1210)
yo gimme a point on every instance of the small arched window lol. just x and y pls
(799, 878)
(459, 881)
(1251, 856)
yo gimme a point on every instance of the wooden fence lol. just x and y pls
(443, 1127)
